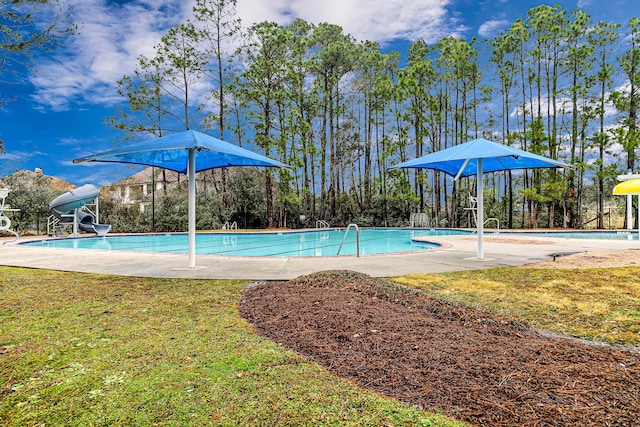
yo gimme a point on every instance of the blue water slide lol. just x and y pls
(64, 206)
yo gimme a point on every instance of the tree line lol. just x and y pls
(341, 111)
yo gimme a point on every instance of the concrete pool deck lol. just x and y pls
(457, 253)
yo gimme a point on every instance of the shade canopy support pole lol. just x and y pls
(464, 165)
(480, 210)
(191, 171)
(629, 212)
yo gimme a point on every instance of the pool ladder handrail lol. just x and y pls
(321, 223)
(357, 239)
(497, 223)
(230, 226)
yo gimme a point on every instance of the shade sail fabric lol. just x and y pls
(629, 187)
(171, 152)
(475, 158)
(496, 157)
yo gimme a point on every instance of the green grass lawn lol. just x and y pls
(84, 349)
(601, 304)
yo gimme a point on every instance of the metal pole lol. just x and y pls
(191, 171)
(629, 212)
(75, 222)
(153, 199)
(480, 206)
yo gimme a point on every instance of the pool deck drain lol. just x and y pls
(458, 253)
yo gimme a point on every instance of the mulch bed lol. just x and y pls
(440, 356)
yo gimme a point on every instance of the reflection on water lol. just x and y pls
(101, 243)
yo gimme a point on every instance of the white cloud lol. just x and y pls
(492, 27)
(111, 39)
(114, 34)
(376, 20)
(563, 107)
(13, 156)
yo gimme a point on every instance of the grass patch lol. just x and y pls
(83, 349)
(601, 304)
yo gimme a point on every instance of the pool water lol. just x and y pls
(290, 244)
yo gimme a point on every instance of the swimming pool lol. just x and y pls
(314, 243)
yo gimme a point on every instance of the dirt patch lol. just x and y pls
(440, 356)
(600, 259)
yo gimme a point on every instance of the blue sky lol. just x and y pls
(59, 111)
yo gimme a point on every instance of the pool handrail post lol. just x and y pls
(357, 239)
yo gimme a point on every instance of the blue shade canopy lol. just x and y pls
(475, 158)
(462, 160)
(185, 152)
(171, 152)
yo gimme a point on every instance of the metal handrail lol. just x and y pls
(52, 223)
(357, 239)
(493, 219)
(230, 226)
(321, 223)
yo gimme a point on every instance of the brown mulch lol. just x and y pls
(440, 356)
